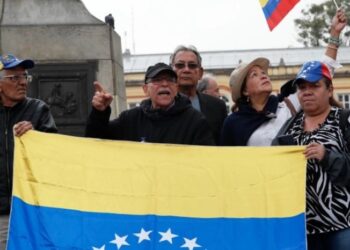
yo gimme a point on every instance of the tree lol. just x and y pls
(313, 27)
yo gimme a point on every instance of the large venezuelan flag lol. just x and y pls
(79, 193)
(276, 10)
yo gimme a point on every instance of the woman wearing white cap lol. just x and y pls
(260, 115)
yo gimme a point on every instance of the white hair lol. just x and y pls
(189, 48)
(203, 83)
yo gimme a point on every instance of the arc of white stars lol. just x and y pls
(190, 244)
(167, 236)
(120, 241)
(101, 248)
(143, 235)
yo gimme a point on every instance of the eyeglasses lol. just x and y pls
(183, 65)
(159, 80)
(17, 78)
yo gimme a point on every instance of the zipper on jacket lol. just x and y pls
(7, 122)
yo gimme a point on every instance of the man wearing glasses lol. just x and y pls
(165, 117)
(187, 63)
(18, 114)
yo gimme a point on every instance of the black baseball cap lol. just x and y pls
(153, 71)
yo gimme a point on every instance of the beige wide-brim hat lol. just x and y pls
(239, 74)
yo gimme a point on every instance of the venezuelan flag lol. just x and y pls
(80, 193)
(276, 10)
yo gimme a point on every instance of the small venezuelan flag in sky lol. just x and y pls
(80, 193)
(276, 10)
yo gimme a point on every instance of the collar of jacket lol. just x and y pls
(181, 104)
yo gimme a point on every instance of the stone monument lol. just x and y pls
(71, 49)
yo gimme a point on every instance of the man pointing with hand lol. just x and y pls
(165, 117)
(101, 99)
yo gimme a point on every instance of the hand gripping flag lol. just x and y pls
(276, 10)
(80, 193)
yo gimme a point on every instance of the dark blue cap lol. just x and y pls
(9, 61)
(312, 72)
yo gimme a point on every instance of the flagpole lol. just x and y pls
(336, 5)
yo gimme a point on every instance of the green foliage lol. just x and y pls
(314, 25)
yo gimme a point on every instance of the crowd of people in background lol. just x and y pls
(183, 106)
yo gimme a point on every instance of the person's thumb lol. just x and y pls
(98, 87)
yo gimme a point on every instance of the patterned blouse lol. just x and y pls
(327, 204)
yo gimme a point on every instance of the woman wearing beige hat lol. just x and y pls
(260, 115)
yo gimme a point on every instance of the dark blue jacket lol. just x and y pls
(33, 110)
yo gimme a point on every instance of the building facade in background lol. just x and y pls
(284, 65)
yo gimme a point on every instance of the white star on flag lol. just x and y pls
(143, 235)
(120, 241)
(190, 244)
(168, 236)
(101, 248)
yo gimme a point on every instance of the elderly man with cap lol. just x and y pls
(18, 114)
(165, 117)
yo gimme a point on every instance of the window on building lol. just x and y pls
(344, 98)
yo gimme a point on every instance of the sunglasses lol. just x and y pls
(183, 65)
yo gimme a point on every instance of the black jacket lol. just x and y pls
(214, 111)
(181, 124)
(33, 110)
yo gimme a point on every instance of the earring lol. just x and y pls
(248, 99)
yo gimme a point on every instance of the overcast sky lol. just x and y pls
(156, 26)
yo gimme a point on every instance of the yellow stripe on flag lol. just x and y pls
(140, 178)
(263, 2)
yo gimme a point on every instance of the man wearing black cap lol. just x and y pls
(165, 117)
(18, 114)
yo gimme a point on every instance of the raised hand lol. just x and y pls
(101, 99)
(339, 21)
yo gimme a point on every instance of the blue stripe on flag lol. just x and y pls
(270, 7)
(34, 227)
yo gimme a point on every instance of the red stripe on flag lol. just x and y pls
(280, 12)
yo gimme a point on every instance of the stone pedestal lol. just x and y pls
(71, 49)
